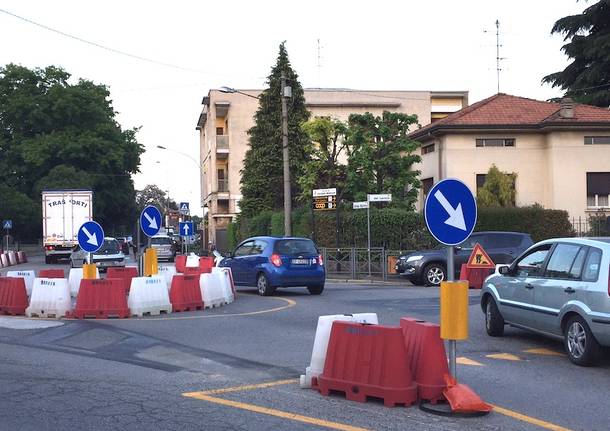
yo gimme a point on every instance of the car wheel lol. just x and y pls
(494, 322)
(316, 290)
(434, 273)
(263, 286)
(580, 344)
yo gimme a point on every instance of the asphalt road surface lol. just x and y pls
(236, 368)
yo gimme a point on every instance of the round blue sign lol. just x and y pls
(150, 220)
(450, 211)
(90, 236)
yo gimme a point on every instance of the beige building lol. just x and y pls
(226, 118)
(560, 152)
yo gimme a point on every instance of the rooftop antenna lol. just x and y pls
(319, 63)
(498, 58)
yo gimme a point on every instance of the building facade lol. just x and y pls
(226, 118)
(560, 152)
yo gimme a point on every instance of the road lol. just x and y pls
(157, 373)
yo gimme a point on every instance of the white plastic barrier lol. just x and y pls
(148, 295)
(74, 278)
(225, 282)
(12, 258)
(212, 291)
(4, 260)
(320, 344)
(28, 277)
(168, 273)
(50, 298)
(192, 261)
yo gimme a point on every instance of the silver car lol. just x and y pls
(559, 288)
(164, 246)
(109, 255)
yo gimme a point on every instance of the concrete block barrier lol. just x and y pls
(185, 294)
(148, 296)
(28, 278)
(320, 343)
(50, 298)
(13, 296)
(12, 258)
(212, 291)
(101, 299)
(51, 273)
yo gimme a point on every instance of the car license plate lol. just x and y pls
(299, 261)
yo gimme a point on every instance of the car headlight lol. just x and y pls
(414, 258)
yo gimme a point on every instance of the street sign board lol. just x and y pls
(7, 224)
(450, 211)
(325, 203)
(90, 236)
(184, 208)
(383, 197)
(150, 220)
(362, 205)
(324, 192)
(186, 228)
(479, 259)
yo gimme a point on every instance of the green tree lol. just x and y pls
(54, 134)
(498, 189)
(587, 78)
(153, 195)
(262, 174)
(382, 157)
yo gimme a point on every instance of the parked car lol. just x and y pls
(429, 267)
(165, 246)
(109, 255)
(559, 288)
(269, 263)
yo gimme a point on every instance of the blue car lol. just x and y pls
(271, 262)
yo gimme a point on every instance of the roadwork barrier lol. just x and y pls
(28, 278)
(3, 260)
(101, 299)
(51, 273)
(74, 278)
(21, 257)
(50, 298)
(180, 262)
(192, 261)
(125, 273)
(168, 272)
(474, 276)
(212, 291)
(13, 296)
(206, 264)
(12, 258)
(226, 281)
(148, 296)
(185, 294)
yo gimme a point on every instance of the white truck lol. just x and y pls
(63, 213)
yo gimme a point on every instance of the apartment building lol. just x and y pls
(226, 118)
(560, 152)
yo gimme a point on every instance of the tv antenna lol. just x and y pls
(319, 63)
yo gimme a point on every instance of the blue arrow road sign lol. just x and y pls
(450, 211)
(186, 228)
(150, 220)
(7, 224)
(90, 236)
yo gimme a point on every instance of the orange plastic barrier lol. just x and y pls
(101, 299)
(475, 276)
(192, 270)
(13, 295)
(51, 273)
(367, 361)
(125, 273)
(428, 359)
(180, 263)
(206, 264)
(185, 294)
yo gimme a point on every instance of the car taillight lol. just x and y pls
(49, 247)
(320, 260)
(276, 260)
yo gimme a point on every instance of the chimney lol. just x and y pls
(566, 108)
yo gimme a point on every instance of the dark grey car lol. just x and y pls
(559, 288)
(429, 267)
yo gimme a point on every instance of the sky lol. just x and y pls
(382, 45)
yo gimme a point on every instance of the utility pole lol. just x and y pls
(498, 52)
(285, 92)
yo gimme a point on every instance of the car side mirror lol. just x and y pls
(504, 270)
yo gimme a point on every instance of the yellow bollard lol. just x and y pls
(89, 272)
(151, 264)
(454, 310)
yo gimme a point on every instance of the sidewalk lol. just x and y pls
(391, 281)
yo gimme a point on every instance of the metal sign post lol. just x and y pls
(452, 343)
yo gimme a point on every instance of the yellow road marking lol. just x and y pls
(529, 419)
(466, 361)
(243, 388)
(505, 356)
(543, 351)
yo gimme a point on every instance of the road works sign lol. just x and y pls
(479, 258)
(90, 236)
(150, 220)
(186, 228)
(450, 211)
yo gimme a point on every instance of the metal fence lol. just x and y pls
(354, 262)
(591, 226)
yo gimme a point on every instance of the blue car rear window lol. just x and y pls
(292, 247)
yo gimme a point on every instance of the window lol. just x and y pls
(578, 263)
(481, 181)
(560, 263)
(531, 264)
(427, 149)
(598, 189)
(259, 247)
(597, 140)
(472, 240)
(503, 240)
(220, 131)
(426, 186)
(244, 249)
(496, 142)
(591, 270)
(295, 247)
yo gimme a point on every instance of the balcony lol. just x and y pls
(222, 146)
(223, 185)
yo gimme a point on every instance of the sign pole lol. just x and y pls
(452, 343)
(368, 227)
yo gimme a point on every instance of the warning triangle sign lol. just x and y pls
(479, 258)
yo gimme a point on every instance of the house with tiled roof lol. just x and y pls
(560, 152)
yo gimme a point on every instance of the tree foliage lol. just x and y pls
(262, 174)
(587, 78)
(54, 134)
(382, 156)
(498, 189)
(153, 195)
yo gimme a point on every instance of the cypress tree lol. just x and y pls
(262, 175)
